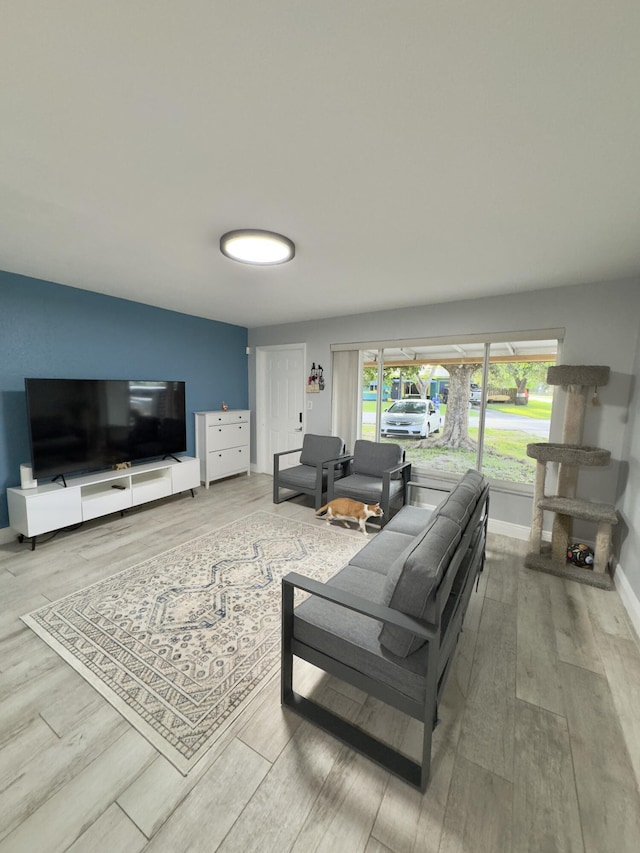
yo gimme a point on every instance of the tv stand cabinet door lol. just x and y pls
(32, 513)
(185, 475)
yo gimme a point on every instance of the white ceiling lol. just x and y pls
(415, 151)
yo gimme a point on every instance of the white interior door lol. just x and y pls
(280, 403)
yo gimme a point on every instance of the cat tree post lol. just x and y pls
(574, 413)
(570, 455)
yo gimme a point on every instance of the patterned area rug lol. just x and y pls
(181, 643)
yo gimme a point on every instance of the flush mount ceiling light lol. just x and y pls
(252, 246)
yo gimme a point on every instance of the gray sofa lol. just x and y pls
(389, 621)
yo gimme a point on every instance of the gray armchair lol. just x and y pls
(377, 473)
(320, 455)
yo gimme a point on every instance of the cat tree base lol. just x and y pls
(545, 563)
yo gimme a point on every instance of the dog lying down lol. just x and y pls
(344, 509)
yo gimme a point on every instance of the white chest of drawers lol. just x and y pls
(222, 444)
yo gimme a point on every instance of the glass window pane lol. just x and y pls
(431, 404)
(369, 396)
(518, 410)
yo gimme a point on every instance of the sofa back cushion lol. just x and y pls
(463, 499)
(372, 458)
(414, 578)
(320, 448)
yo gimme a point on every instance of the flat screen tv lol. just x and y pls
(88, 424)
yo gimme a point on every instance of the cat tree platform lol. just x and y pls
(570, 454)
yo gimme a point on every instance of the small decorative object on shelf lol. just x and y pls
(121, 466)
(224, 407)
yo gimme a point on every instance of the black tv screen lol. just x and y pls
(88, 424)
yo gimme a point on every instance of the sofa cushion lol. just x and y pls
(411, 520)
(380, 554)
(463, 499)
(366, 489)
(473, 478)
(320, 448)
(373, 459)
(353, 639)
(460, 504)
(417, 578)
(300, 477)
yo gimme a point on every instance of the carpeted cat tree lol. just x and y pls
(570, 455)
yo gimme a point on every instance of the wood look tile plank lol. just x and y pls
(67, 707)
(203, 819)
(466, 647)
(58, 821)
(374, 846)
(271, 726)
(277, 811)
(502, 579)
(409, 821)
(622, 665)
(27, 703)
(607, 612)
(607, 791)
(546, 816)
(479, 811)
(152, 797)
(575, 638)
(22, 650)
(112, 832)
(54, 767)
(346, 807)
(537, 670)
(27, 741)
(488, 723)
(23, 672)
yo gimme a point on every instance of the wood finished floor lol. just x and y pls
(538, 748)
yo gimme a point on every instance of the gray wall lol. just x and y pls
(601, 323)
(628, 533)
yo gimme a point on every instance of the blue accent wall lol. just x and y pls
(54, 331)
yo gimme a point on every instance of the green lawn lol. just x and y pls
(505, 454)
(535, 408)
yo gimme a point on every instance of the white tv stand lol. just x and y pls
(54, 506)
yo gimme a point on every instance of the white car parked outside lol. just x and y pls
(411, 418)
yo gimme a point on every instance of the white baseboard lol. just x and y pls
(506, 528)
(628, 596)
(7, 534)
(515, 531)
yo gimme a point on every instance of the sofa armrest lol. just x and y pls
(293, 580)
(276, 460)
(405, 469)
(345, 460)
(285, 452)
